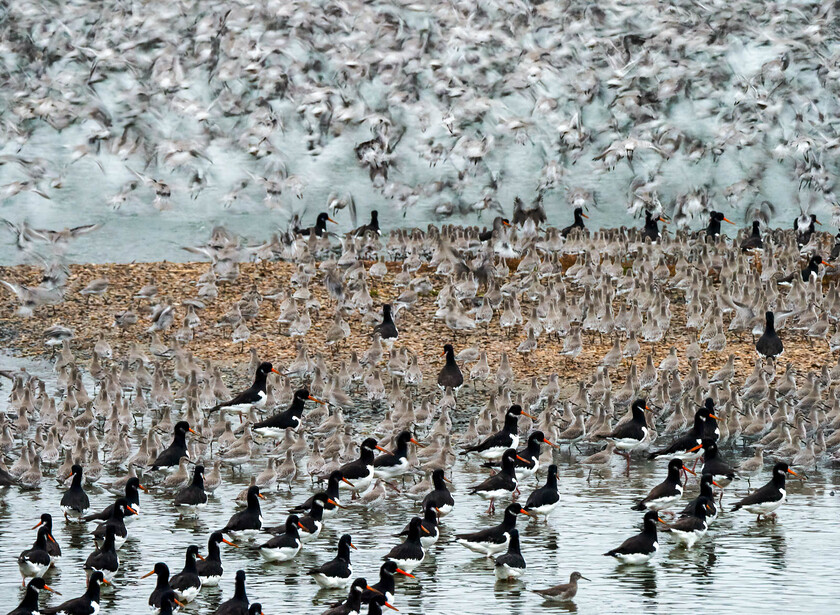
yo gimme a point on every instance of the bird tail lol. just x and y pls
(656, 454)
(640, 506)
(736, 507)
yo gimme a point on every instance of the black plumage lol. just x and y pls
(53, 548)
(132, 496)
(754, 241)
(275, 425)
(450, 375)
(577, 224)
(187, 583)
(238, 604)
(642, 546)
(387, 330)
(544, 499)
(29, 604)
(769, 345)
(75, 501)
(193, 495)
(210, 568)
(507, 437)
(249, 519)
(105, 558)
(440, 496)
(337, 569)
(161, 584)
(667, 492)
(177, 449)
(386, 585)
(84, 604)
(252, 396)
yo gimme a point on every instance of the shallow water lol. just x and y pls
(739, 565)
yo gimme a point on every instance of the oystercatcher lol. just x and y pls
(769, 497)
(336, 572)
(254, 395)
(668, 492)
(493, 447)
(275, 426)
(494, 539)
(642, 547)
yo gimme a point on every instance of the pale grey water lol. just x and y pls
(740, 566)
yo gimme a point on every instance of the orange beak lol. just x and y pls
(446, 480)
(315, 400)
(417, 443)
(818, 222)
(584, 215)
(200, 556)
(525, 512)
(661, 219)
(647, 407)
(354, 546)
(391, 606)
(528, 415)
(549, 443)
(331, 220)
(505, 222)
(274, 370)
(191, 430)
(696, 448)
(443, 354)
(348, 482)
(375, 591)
(408, 574)
(51, 538)
(522, 459)
(825, 263)
(690, 470)
(384, 450)
(106, 581)
(300, 525)
(334, 503)
(50, 589)
(792, 472)
(40, 523)
(661, 520)
(422, 527)
(728, 220)
(142, 488)
(148, 574)
(178, 602)
(227, 542)
(261, 495)
(131, 510)
(713, 416)
(715, 483)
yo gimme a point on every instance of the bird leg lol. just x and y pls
(492, 508)
(393, 486)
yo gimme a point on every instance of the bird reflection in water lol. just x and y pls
(637, 579)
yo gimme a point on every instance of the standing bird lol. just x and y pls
(562, 592)
(668, 492)
(450, 375)
(628, 436)
(493, 447)
(192, 497)
(545, 499)
(769, 497)
(498, 223)
(336, 572)
(86, 604)
(430, 531)
(284, 546)
(769, 345)
(370, 227)
(688, 445)
(275, 426)
(116, 521)
(715, 218)
(754, 241)
(494, 539)
(105, 558)
(387, 330)
(177, 449)
(75, 502)
(331, 509)
(320, 226)
(186, 584)
(162, 586)
(36, 561)
(53, 548)
(707, 492)
(651, 230)
(310, 525)
(238, 605)
(210, 569)
(691, 528)
(254, 395)
(359, 473)
(642, 547)
(713, 465)
(439, 497)
(247, 523)
(410, 553)
(577, 224)
(393, 465)
(132, 496)
(501, 484)
(29, 604)
(511, 565)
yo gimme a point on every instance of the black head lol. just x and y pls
(322, 218)
(161, 570)
(46, 519)
(132, 484)
(264, 368)
(37, 583)
(639, 406)
(358, 586)
(703, 507)
(388, 568)
(386, 309)
(369, 444)
(122, 505)
(651, 517)
(552, 470)
(404, 437)
(448, 350)
(292, 523)
(192, 551)
(675, 465)
(336, 476)
(536, 436)
(509, 457)
(515, 410)
(374, 215)
(515, 509)
(769, 318)
(216, 537)
(756, 226)
(254, 495)
(781, 469)
(346, 540)
(183, 427)
(96, 578)
(255, 609)
(578, 211)
(816, 259)
(320, 499)
(240, 576)
(76, 470)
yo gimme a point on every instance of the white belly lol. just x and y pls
(332, 582)
(627, 444)
(392, 471)
(486, 548)
(688, 538)
(270, 433)
(210, 581)
(505, 572)
(307, 537)
(408, 564)
(494, 494)
(638, 558)
(765, 508)
(545, 509)
(189, 594)
(283, 554)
